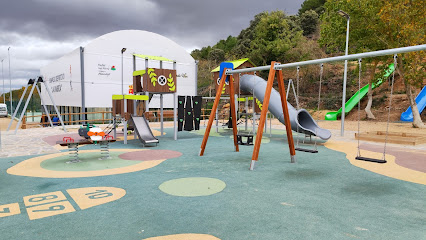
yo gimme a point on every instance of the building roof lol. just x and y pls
(236, 63)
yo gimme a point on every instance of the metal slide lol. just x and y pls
(300, 119)
(143, 130)
(407, 116)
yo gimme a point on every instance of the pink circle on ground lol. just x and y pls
(150, 155)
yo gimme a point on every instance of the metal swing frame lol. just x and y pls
(34, 83)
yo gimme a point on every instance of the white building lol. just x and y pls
(88, 76)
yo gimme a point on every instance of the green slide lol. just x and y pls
(352, 102)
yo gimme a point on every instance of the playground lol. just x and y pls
(175, 192)
(270, 169)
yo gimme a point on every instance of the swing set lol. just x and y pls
(226, 71)
(224, 67)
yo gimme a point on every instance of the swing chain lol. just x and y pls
(319, 91)
(359, 100)
(395, 62)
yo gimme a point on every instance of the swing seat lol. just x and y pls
(248, 136)
(306, 150)
(370, 159)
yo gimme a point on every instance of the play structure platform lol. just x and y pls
(393, 137)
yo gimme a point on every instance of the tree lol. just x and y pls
(363, 37)
(379, 25)
(217, 55)
(316, 5)
(309, 21)
(405, 25)
(273, 37)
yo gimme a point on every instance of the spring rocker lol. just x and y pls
(226, 66)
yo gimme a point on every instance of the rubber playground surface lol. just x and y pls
(169, 192)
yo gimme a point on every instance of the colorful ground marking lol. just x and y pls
(44, 198)
(390, 169)
(192, 187)
(33, 167)
(50, 209)
(94, 196)
(55, 203)
(186, 236)
(150, 155)
(9, 210)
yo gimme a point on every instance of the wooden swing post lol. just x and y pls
(213, 112)
(265, 104)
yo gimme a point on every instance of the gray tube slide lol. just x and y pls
(300, 119)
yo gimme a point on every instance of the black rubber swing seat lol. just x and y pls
(306, 150)
(370, 159)
(249, 139)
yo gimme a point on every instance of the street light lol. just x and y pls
(2, 75)
(10, 82)
(122, 71)
(343, 14)
(124, 100)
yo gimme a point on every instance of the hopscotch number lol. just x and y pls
(42, 198)
(99, 194)
(5, 210)
(51, 209)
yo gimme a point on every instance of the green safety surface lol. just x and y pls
(90, 161)
(322, 196)
(192, 187)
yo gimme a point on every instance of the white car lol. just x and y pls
(3, 110)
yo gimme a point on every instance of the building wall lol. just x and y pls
(103, 69)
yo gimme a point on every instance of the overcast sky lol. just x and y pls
(41, 31)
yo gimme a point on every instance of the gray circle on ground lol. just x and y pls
(192, 187)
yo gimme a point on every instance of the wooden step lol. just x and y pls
(393, 137)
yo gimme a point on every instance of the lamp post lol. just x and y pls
(343, 14)
(2, 75)
(10, 82)
(122, 71)
(124, 100)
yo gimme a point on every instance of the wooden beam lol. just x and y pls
(212, 113)
(265, 105)
(290, 139)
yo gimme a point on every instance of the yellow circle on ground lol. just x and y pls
(192, 187)
(32, 168)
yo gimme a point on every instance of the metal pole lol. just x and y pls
(25, 107)
(17, 107)
(246, 116)
(54, 105)
(161, 113)
(125, 121)
(10, 82)
(217, 121)
(175, 108)
(44, 106)
(2, 75)
(196, 77)
(161, 106)
(83, 91)
(122, 75)
(334, 59)
(345, 74)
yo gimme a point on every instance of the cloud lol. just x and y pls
(40, 31)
